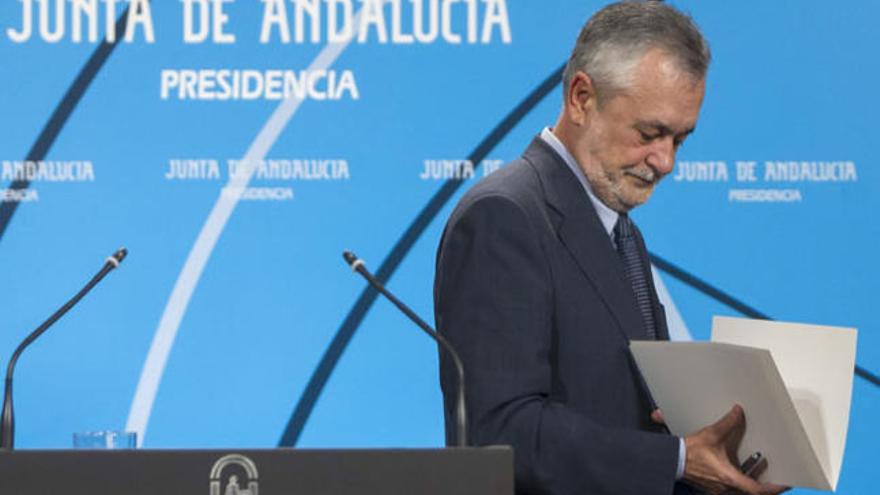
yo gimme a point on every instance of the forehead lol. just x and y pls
(660, 91)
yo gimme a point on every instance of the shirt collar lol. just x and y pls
(607, 216)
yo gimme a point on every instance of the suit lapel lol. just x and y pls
(583, 235)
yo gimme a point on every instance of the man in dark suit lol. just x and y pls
(542, 280)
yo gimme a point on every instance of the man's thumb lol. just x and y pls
(733, 419)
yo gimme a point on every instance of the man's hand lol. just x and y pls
(711, 457)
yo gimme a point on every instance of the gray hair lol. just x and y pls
(613, 41)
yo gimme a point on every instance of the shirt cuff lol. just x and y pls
(682, 455)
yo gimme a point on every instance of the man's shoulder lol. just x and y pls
(506, 208)
(518, 182)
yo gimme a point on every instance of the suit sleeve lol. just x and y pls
(493, 298)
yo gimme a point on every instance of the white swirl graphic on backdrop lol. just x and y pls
(163, 339)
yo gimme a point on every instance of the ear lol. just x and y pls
(580, 99)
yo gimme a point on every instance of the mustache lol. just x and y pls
(643, 172)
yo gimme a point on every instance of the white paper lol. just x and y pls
(796, 413)
(816, 364)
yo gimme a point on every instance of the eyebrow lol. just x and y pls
(662, 128)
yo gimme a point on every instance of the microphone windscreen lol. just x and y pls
(120, 255)
(349, 257)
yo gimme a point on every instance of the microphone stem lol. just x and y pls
(7, 429)
(460, 409)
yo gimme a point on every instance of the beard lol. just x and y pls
(624, 188)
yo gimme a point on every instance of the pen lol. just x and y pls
(748, 467)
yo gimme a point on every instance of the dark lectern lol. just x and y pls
(477, 471)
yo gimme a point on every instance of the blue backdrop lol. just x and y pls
(217, 327)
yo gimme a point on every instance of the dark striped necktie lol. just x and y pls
(628, 249)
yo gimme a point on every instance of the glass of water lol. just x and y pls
(105, 439)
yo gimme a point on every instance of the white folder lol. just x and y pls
(794, 382)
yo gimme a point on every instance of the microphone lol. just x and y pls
(7, 426)
(357, 265)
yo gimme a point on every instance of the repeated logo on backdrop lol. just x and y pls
(768, 181)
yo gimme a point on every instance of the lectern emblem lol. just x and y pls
(234, 474)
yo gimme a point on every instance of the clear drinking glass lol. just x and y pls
(105, 439)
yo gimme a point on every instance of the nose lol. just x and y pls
(661, 157)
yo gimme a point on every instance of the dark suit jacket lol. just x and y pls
(531, 292)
